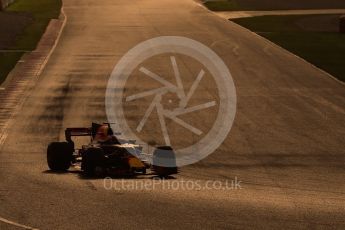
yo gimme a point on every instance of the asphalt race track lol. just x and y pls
(286, 145)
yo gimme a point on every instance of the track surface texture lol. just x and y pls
(286, 144)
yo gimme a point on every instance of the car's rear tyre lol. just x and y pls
(59, 156)
(93, 162)
(164, 161)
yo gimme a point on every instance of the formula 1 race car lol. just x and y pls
(106, 154)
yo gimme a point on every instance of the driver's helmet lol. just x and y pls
(103, 133)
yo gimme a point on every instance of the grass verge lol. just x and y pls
(41, 12)
(222, 5)
(321, 47)
(229, 5)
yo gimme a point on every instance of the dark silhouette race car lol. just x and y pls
(106, 154)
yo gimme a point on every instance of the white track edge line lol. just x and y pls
(16, 224)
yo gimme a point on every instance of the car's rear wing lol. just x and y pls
(77, 132)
